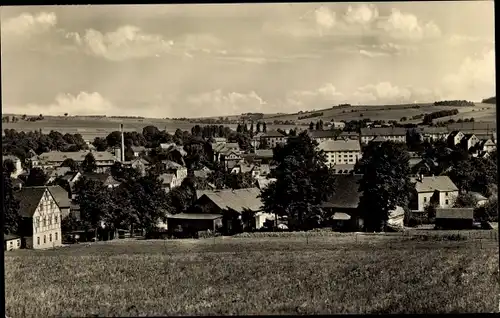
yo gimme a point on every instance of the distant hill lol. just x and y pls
(491, 100)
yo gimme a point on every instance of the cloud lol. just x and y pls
(457, 39)
(27, 25)
(125, 43)
(82, 104)
(381, 92)
(322, 96)
(407, 26)
(218, 102)
(385, 49)
(474, 79)
(372, 54)
(325, 18)
(362, 14)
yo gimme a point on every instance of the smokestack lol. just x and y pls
(122, 152)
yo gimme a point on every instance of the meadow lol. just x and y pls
(245, 276)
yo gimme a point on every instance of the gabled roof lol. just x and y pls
(434, 130)
(348, 133)
(29, 198)
(195, 216)
(10, 157)
(455, 213)
(478, 196)
(237, 200)
(321, 133)
(140, 160)
(264, 153)
(201, 173)
(346, 193)
(264, 182)
(340, 145)
(138, 148)
(167, 145)
(78, 156)
(383, 131)
(167, 178)
(8, 237)
(60, 171)
(169, 164)
(273, 134)
(61, 196)
(454, 133)
(431, 184)
(468, 136)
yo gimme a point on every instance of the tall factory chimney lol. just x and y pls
(122, 152)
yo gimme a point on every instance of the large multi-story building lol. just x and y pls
(341, 151)
(322, 135)
(104, 160)
(273, 138)
(396, 134)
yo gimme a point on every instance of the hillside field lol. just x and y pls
(245, 276)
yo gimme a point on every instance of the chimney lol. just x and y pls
(122, 152)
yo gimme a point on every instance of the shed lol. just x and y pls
(11, 242)
(191, 223)
(455, 218)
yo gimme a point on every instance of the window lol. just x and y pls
(18, 243)
(56, 219)
(425, 199)
(44, 239)
(44, 221)
(446, 201)
(446, 193)
(50, 237)
(38, 240)
(50, 219)
(37, 221)
(56, 236)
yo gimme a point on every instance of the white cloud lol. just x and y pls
(474, 79)
(457, 39)
(27, 25)
(362, 14)
(322, 96)
(372, 54)
(82, 104)
(325, 18)
(402, 25)
(218, 102)
(382, 92)
(124, 43)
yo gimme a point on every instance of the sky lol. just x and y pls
(214, 60)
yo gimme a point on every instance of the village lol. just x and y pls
(214, 181)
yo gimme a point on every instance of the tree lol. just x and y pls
(465, 200)
(385, 183)
(318, 125)
(9, 167)
(93, 199)
(11, 215)
(264, 127)
(258, 127)
(89, 163)
(150, 133)
(264, 144)
(70, 163)
(251, 127)
(311, 126)
(114, 139)
(36, 178)
(100, 144)
(303, 182)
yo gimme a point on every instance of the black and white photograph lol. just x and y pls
(220, 159)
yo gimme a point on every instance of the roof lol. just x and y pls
(8, 237)
(78, 156)
(61, 196)
(348, 133)
(139, 160)
(468, 136)
(245, 168)
(455, 213)
(264, 168)
(102, 177)
(171, 164)
(434, 130)
(195, 216)
(454, 133)
(60, 171)
(343, 166)
(264, 153)
(340, 145)
(138, 148)
(478, 196)
(166, 178)
(10, 157)
(264, 182)
(201, 173)
(383, 131)
(341, 216)
(16, 182)
(237, 200)
(439, 183)
(167, 145)
(346, 193)
(29, 198)
(220, 139)
(272, 134)
(321, 133)
(378, 139)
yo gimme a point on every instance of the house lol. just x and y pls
(322, 135)
(455, 137)
(62, 198)
(104, 160)
(221, 149)
(454, 218)
(41, 218)
(202, 173)
(439, 190)
(220, 139)
(264, 219)
(264, 182)
(273, 138)
(487, 145)
(263, 155)
(348, 135)
(396, 134)
(230, 159)
(342, 168)
(17, 165)
(341, 151)
(11, 242)
(434, 133)
(469, 141)
(105, 178)
(232, 204)
(138, 150)
(56, 172)
(242, 168)
(256, 140)
(343, 203)
(261, 170)
(140, 164)
(169, 181)
(178, 170)
(425, 167)
(17, 183)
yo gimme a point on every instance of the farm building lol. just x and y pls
(454, 218)
(236, 206)
(11, 242)
(192, 223)
(273, 138)
(348, 135)
(343, 204)
(322, 135)
(104, 160)
(437, 189)
(62, 198)
(396, 134)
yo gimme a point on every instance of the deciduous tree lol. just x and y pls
(89, 164)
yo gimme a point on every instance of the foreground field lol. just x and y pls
(253, 276)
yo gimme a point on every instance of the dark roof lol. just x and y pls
(8, 237)
(383, 131)
(29, 198)
(455, 213)
(96, 176)
(264, 153)
(272, 133)
(194, 216)
(321, 133)
(346, 193)
(61, 196)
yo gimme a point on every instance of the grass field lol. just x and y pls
(228, 276)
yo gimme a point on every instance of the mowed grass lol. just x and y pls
(231, 276)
